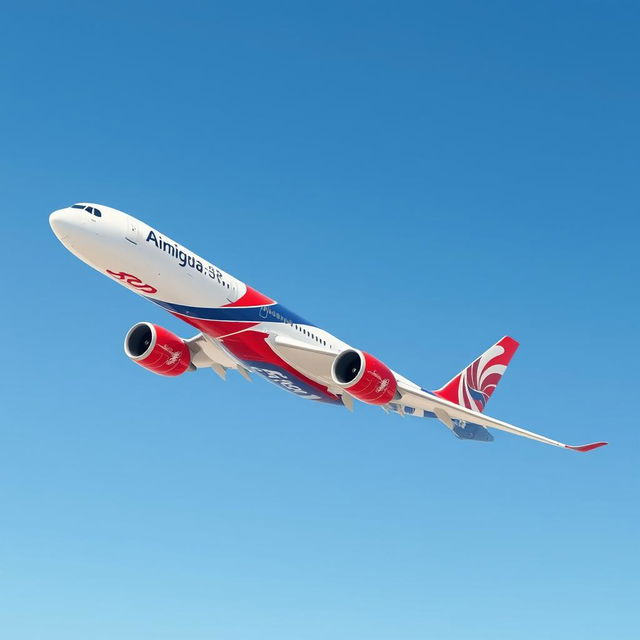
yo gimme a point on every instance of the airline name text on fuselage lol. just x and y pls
(184, 258)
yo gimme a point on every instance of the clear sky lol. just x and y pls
(418, 178)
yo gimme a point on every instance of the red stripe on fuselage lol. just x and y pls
(251, 298)
(246, 345)
(250, 346)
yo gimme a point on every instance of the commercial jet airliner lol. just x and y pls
(242, 329)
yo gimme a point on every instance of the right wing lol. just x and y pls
(447, 412)
(316, 362)
(313, 360)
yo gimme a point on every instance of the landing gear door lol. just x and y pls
(131, 233)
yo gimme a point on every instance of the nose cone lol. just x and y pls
(62, 223)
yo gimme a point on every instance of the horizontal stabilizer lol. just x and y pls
(462, 429)
(470, 431)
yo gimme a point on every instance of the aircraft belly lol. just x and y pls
(252, 349)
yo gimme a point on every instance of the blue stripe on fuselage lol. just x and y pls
(267, 313)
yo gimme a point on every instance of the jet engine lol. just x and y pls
(364, 377)
(157, 349)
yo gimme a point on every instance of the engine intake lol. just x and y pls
(157, 349)
(364, 377)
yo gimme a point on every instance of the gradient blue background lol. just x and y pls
(418, 178)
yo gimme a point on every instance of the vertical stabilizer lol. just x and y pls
(473, 386)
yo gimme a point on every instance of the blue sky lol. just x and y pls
(418, 178)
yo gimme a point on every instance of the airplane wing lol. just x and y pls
(464, 422)
(452, 415)
(313, 360)
(207, 353)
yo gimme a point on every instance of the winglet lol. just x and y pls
(586, 447)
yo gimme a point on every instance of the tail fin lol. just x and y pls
(473, 386)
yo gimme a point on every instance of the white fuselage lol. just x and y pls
(225, 309)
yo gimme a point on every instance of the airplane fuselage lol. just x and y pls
(242, 321)
(243, 329)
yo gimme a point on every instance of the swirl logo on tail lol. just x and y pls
(473, 386)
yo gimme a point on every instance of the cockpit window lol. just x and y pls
(92, 210)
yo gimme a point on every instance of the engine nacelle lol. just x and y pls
(364, 377)
(157, 349)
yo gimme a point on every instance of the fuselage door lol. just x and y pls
(131, 233)
(232, 293)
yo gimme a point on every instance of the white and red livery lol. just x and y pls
(242, 329)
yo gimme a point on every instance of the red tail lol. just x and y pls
(473, 386)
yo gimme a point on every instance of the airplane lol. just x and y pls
(244, 330)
